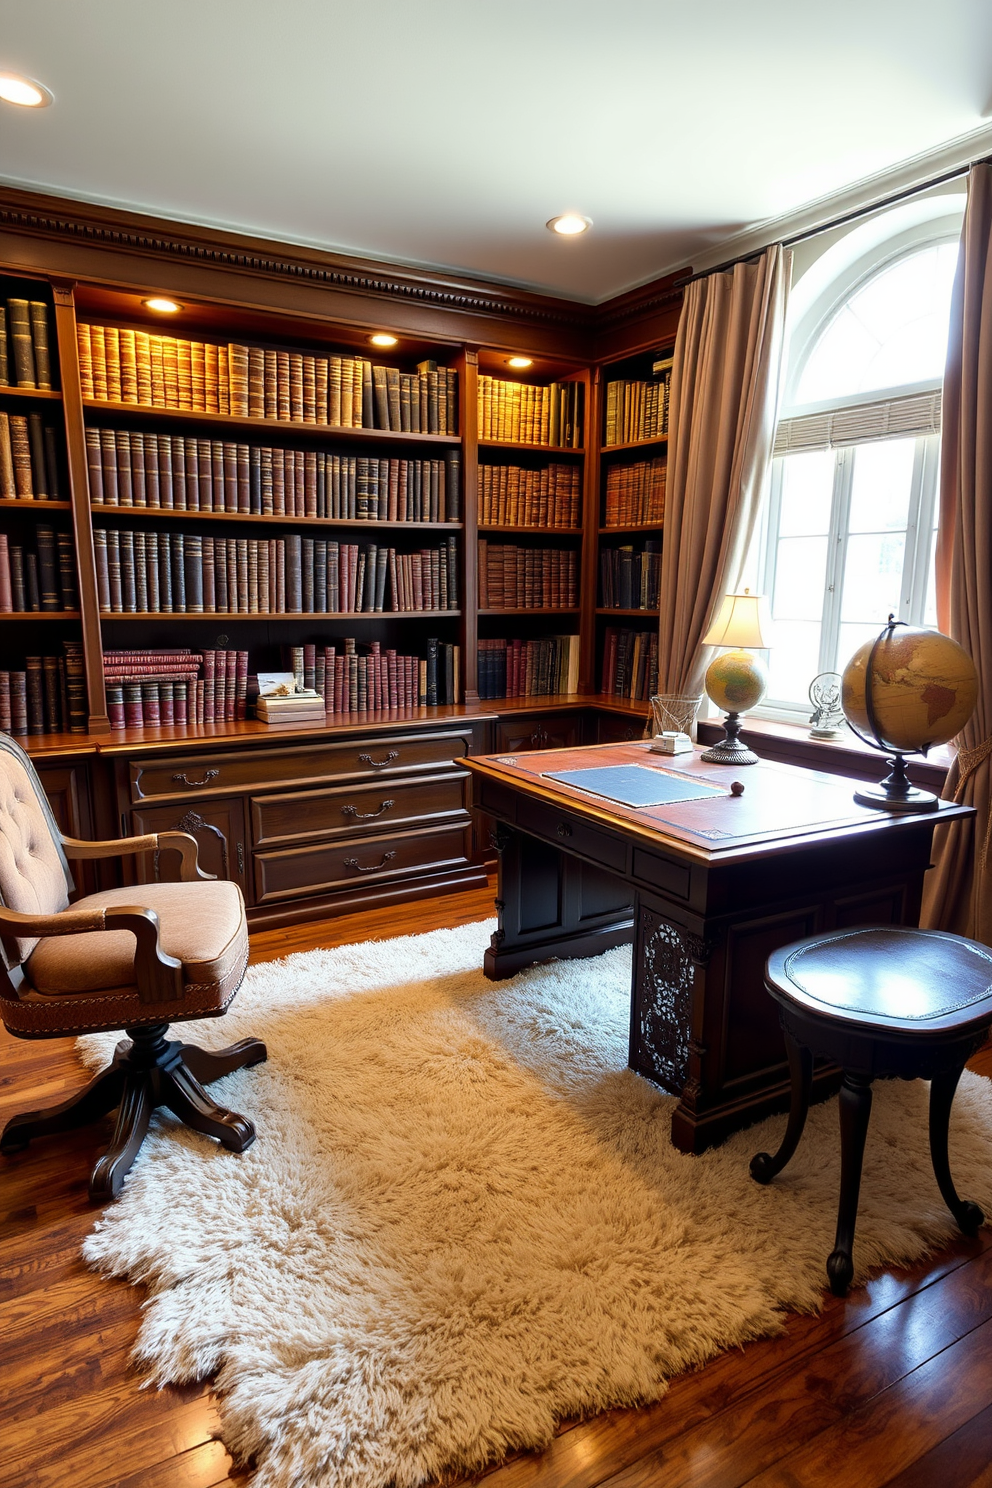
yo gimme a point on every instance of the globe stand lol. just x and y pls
(729, 750)
(895, 793)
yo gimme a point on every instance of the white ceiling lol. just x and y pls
(446, 132)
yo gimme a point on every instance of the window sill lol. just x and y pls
(791, 744)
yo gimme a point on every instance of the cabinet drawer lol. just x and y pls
(206, 774)
(573, 834)
(293, 872)
(348, 810)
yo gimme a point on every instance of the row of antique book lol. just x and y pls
(42, 578)
(175, 472)
(29, 462)
(511, 496)
(629, 580)
(547, 666)
(630, 663)
(636, 409)
(530, 413)
(149, 688)
(351, 679)
(186, 573)
(512, 577)
(635, 493)
(47, 697)
(25, 347)
(120, 365)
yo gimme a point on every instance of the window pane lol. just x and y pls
(800, 575)
(873, 576)
(892, 332)
(930, 609)
(881, 486)
(793, 661)
(807, 486)
(851, 637)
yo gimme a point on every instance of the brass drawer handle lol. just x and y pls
(564, 830)
(366, 815)
(196, 784)
(371, 867)
(367, 759)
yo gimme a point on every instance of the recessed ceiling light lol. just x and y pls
(163, 306)
(383, 338)
(520, 362)
(570, 224)
(25, 91)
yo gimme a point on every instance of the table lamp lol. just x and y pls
(736, 681)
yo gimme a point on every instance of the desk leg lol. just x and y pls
(552, 904)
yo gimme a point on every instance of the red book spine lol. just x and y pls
(241, 688)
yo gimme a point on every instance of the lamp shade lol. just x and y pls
(739, 622)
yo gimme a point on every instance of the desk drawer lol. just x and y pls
(294, 872)
(573, 834)
(348, 810)
(206, 774)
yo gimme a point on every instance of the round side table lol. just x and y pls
(883, 1002)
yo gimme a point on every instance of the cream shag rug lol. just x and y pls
(463, 1220)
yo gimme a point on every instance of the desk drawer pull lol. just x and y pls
(371, 867)
(197, 784)
(367, 759)
(365, 815)
(564, 830)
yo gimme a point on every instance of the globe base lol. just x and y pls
(729, 750)
(914, 800)
(895, 793)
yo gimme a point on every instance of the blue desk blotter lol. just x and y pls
(635, 785)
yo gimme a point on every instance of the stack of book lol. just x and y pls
(630, 663)
(525, 413)
(638, 409)
(148, 688)
(305, 706)
(133, 366)
(545, 667)
(635, 494)
(175, 472)
(25, 354)
(47, 697)
(29, 465)
(630, 580)
(510, 496)
(186, 573)
(39, 580)
(515, 578)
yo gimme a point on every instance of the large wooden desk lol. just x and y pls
(706, 889)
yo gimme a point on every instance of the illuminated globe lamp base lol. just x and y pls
(736, 682)
(895, 793)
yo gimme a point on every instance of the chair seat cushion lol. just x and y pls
(201, 924)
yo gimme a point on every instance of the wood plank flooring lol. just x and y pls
(891, 1386)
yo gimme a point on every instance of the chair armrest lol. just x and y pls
(181, 842)
(159, 977)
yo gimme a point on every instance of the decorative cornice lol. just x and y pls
(224, 251)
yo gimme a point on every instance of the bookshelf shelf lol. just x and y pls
(604, 610)
(185, 514)
(648, 528)
(313, 617)
(280, 428)
(36, 508)
(637, 444)
(539, 531)
(40, 615)
(50, 395)
(529, 449)
(530, 610)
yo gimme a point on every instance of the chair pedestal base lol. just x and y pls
(148, 1072)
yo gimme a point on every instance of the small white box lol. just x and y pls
(671, 742)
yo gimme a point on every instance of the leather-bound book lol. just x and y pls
(54, 484)
(164, 573)
(334, 386)
(139, 487)
(107, 440)
(256, 382)
(309, 389)
(143, 367)
(5, 382)
(6, 595)
(197, 376)
(141, 604)
(283, 392)
(38, 311)
(54, 722)
(125, 493)
(18, 703)
(166, 493)
(20, 445)
(366, 416)
(242, 574)
(8, 487)
(178, 473)
(129, 602)
(112, 351)
(101, 557)
(36, 446)
(98, 362)
(296, 387)
(210, 378)
(21, 343)
(223, 380)
(238, 370)
(5, 727)
(35, 694)
(129, 366)
(48, 580)
(184, 372)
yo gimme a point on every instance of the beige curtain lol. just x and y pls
(724, 399)
(958, 894)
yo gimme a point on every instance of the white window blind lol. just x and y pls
(888, 418)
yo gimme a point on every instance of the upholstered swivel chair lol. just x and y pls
(133, 958)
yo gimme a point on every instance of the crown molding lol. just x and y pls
(916, 173)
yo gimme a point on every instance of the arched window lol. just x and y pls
(848, 527)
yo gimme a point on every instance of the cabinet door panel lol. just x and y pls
(537, 731)
(219, 829)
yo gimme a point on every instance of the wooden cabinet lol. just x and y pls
(616, 728)
(537, 731)
(219, 828)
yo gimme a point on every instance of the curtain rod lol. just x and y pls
(852, 216)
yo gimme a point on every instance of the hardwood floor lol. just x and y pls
(890, 1386)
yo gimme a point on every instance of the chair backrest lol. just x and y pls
(34, 873)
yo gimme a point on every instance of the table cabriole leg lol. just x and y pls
(968, 1216)
(764, 1167)
(855, 1111)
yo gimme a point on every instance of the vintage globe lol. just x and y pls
(736, 681)
(923, 689)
